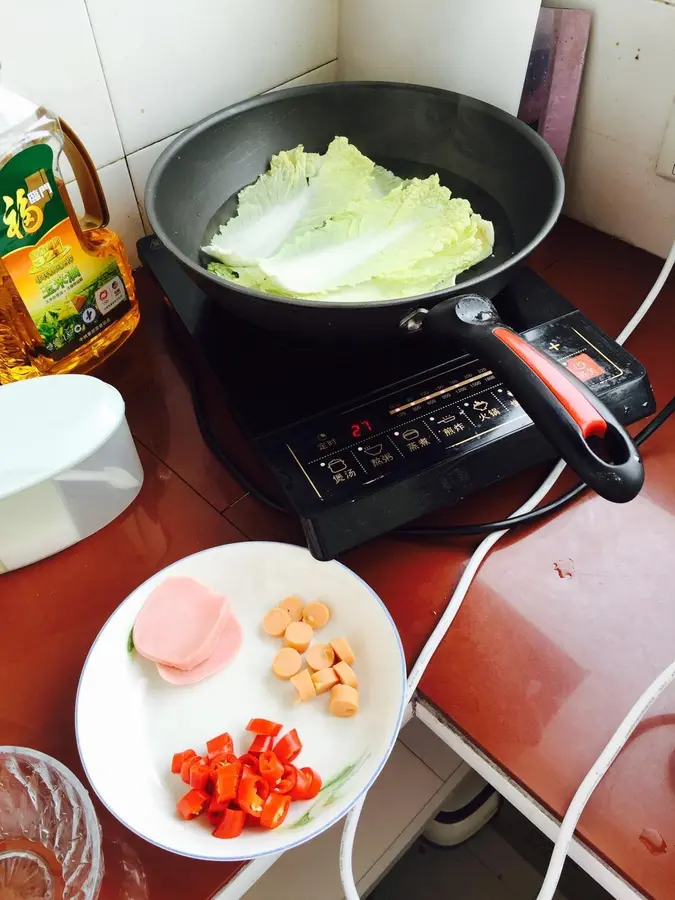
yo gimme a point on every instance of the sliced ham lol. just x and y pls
(225, 651)
(181, 623)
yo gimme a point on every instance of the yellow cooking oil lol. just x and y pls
(67, 295)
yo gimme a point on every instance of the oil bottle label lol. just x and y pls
(70, 295)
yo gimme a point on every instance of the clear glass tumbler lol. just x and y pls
(50, 838)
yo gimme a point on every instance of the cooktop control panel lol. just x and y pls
(446, 418)
(449, 413)
(409, 429)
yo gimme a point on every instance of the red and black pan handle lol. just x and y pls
(569, 415)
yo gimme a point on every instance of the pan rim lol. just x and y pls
(417, 300)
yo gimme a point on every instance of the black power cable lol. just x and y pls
(536, 514)
(417, 530)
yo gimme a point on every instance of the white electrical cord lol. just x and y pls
(622, 734)
(646, 304)
(595, 775)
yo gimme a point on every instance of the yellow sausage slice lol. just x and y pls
(346, 674)
(344, 701)
(304, 685)
(293, 606)
(343, 651)
(320, 656)
(276, 622)
(316, 614)
(287, 663)
(299, 636)
(324, 680)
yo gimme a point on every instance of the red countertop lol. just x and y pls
(538, 669)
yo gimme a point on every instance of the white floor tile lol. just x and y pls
(311, 872)
(48, 54)
(430, 749)
(505, 862)
(425, 872)
(169, 63)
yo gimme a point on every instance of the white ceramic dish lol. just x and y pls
(68, 464)
(129, 722)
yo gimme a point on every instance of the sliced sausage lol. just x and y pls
(293, 606)
(346, 674)
(320, 656)
(276, 622)
(287, 663)
(227, 648)
(316, 614)
(299, 636)
(324, 680)
(180, 623)
(344, 701)
(304, 685)
(343, 651)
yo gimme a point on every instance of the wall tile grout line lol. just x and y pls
(105, 79)
(139, 200)
(133, 188)
(435, 800)
(169, 137)
(299, 75)
(114, 111)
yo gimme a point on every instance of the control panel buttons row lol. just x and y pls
(453, 411)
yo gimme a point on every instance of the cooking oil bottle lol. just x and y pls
(67, 296)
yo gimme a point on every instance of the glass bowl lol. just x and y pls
(50, 838)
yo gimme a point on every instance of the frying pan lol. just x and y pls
(506, 171)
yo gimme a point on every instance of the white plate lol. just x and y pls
(129, 721)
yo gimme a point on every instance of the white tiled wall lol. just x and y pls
(475, 47)
(627, 96)
(143, 160)
(127, 76)
(178, 61)
(63, 71)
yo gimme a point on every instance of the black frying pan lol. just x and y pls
(506, 171)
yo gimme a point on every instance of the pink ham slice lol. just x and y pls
(226, 649)
(181, 623)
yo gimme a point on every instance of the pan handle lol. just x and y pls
(566, 412)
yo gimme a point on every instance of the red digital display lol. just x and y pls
(361, 428)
